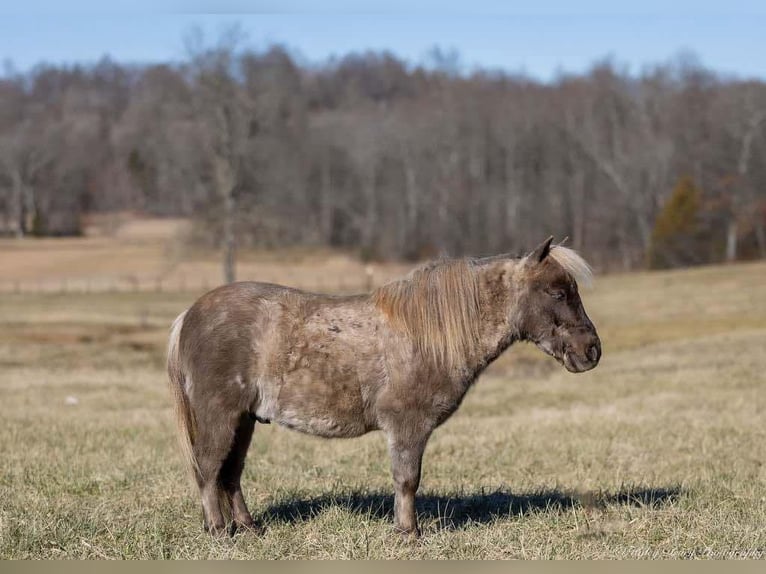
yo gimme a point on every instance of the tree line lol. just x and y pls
(371, 154)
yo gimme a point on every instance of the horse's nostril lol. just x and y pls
(593, 352)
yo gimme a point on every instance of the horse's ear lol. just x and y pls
(541, 251)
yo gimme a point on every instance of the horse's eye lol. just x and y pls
(558, 294)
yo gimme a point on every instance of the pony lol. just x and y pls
(399, 360)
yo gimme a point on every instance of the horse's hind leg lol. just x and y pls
(231, 473)
(211, 448)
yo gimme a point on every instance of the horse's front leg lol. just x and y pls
(406, 449)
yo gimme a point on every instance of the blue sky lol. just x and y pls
(537, 38)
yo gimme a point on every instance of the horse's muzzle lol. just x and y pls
(585, 360)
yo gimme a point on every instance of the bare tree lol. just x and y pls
(225, 117)
(742, 199)
(617, 133)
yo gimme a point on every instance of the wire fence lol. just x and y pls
(336, 284)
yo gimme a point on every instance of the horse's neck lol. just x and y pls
(497, 300)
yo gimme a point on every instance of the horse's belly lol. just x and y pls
(328, 408)
(330, 426)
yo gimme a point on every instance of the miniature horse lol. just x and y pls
(399, 360)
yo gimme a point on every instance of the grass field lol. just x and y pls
(659, 452)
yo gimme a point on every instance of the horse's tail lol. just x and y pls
(184, 414)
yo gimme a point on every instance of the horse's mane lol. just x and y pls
(573, 263)
(437, 305)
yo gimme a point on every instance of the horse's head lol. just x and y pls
(551, 314)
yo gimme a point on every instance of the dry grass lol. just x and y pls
(659, 452)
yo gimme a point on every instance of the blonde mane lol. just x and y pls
(573, 263)
(437, 305)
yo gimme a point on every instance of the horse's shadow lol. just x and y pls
(455, 511)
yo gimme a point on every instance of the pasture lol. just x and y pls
(658, 452)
